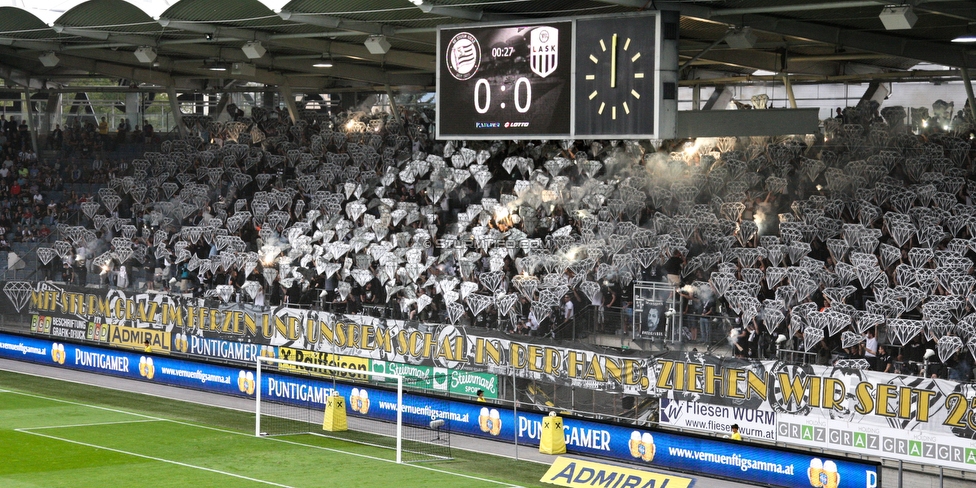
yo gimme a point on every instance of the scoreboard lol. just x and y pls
(608, 76)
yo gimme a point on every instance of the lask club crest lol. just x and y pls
(544, 42)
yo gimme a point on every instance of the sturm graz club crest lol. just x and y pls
(463, 56)
(544, 42)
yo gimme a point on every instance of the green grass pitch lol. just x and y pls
(61, 434)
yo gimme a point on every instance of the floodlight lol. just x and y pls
(898, 17)
(377, 45)
(49, 59)
(145, 54)
(742, 39)
(253, 49)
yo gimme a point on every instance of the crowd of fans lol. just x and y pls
(28, 213)
(855, 244)
(88, 140)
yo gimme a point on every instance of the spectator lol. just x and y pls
(672, 267)
(884, 361)
(871, 348)
(122, 132)
(56, 139)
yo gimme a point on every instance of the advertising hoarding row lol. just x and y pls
(708, 456)
(765, 398)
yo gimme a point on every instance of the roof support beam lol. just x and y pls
(933, 52)
(969, 92)
(802, 7)
(19, 77)
(109, 37)
(356, 51)
(915, 75)
(289, 98)
(457, 12)
(174, 106)
(688, 9)
(30, 118)
(347, 71)
(407, 59)
(108, 69)
(371, 28)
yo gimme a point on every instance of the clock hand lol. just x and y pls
(613, 61)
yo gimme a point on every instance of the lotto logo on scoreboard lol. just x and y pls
(463, 56)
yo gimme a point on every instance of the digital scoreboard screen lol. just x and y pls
(586, 77)
(507, 81)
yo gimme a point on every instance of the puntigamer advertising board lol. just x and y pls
(704, 455)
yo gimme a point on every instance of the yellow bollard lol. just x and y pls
(553, 439)
(335, 414)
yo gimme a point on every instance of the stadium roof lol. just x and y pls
(841, 40)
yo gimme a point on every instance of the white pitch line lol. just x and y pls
(93, 424)
(394, 462)
(116, 388)
(271, 438)
(158, 459)
(69, 402)
(343, 452)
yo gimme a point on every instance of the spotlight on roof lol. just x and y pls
(377, 45)
(216, 66)
(145, 54)
(898, 17)
(253, 49)
(323, 63)
(743, 38)
(49, 59)
(967, 37)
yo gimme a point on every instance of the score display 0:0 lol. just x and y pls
(482, 109)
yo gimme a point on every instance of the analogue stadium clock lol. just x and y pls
(616, 75)
(616, 90)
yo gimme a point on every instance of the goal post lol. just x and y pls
(291, 396)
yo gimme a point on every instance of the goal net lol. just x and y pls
(291, 400)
